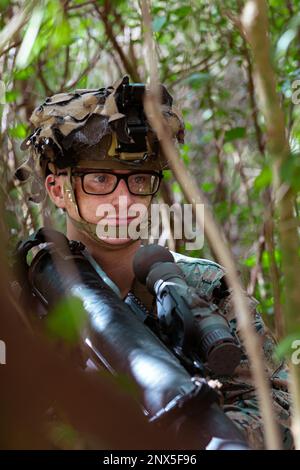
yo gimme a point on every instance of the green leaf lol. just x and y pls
(285, 40)
(265, 260)
(167, 175)
(221, 209)
(264, 179)
(34, 24)
(24, 73)
(82, 83)
(228, 148)
(63, 435)
(4, 4)
(176, 188)
(207, 114)
(197, 80)
(11, 219)
(235, 133)
(188, 126)
(158, 22)
(62, 34)
(290, 171)
(250, 261)
(183, 11)
(288, 346)
(207, 187)
(12, 95)
(278, 256)
(18, 132)
(67, 319)
(206, 137)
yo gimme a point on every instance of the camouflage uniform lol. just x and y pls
(240, 401)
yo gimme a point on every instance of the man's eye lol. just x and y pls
(139, 179)
(100, 178)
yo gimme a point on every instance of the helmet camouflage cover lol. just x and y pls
(95, 128)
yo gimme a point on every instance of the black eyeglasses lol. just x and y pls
(104, 182)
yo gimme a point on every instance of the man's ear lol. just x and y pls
(54, 187)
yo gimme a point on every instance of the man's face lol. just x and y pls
(117, 214)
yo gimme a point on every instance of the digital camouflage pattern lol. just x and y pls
(239, 399)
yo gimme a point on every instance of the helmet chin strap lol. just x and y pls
(88, 228)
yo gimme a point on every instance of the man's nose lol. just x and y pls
(121, 190)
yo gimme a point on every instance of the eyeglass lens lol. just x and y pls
(105, 183)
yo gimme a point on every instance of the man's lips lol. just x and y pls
(117, 220)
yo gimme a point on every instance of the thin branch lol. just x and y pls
(15, 44)
(183, 74)
(15, 24)
(90, 66)
(43, 80)
(66, 71)
(257, 268)
(81, 5)
(129, 68)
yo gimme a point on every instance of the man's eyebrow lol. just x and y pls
(102, 170)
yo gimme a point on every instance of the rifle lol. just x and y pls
(121, 343)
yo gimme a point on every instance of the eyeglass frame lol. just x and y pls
(120, 176)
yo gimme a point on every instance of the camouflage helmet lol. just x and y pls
(96, 128)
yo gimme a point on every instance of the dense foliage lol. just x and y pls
(205, 62)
